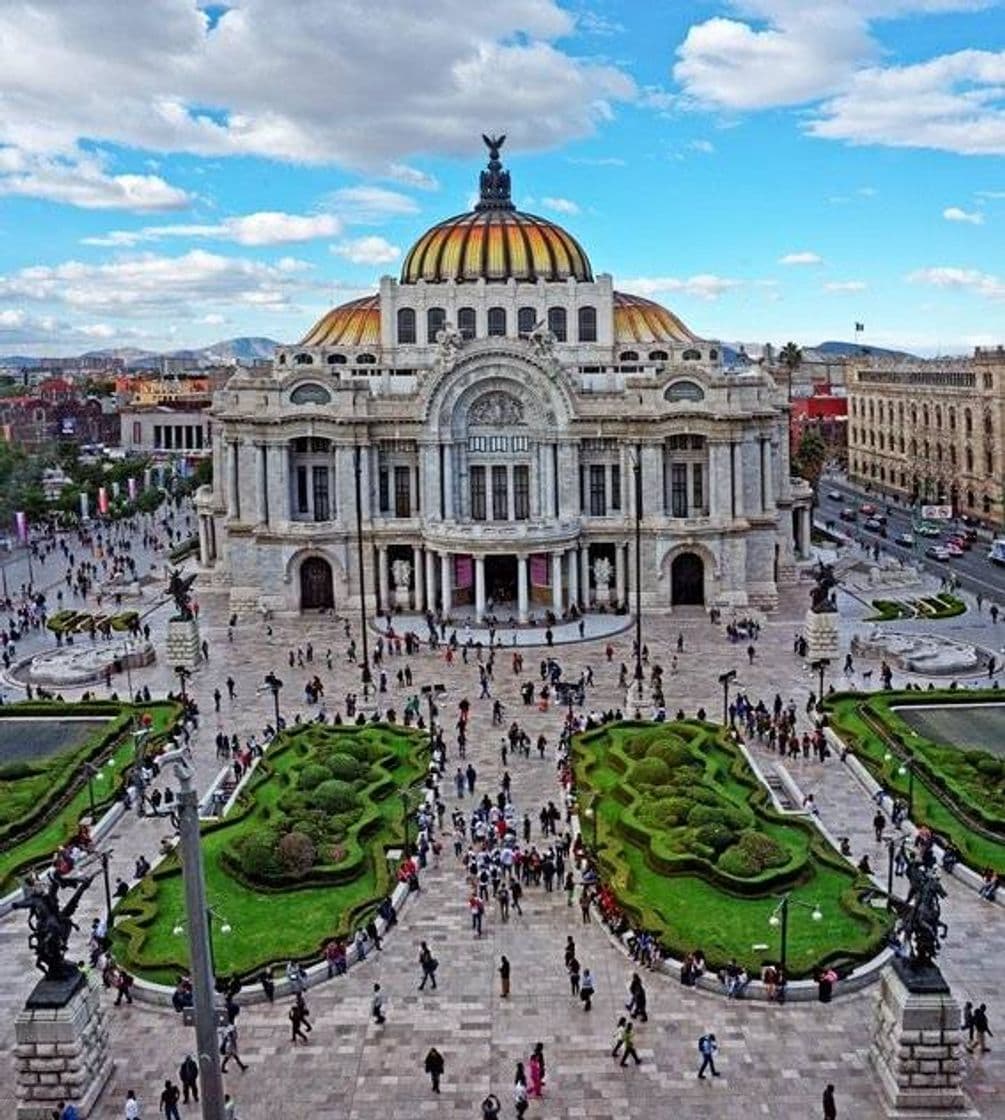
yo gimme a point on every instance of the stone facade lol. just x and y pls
(494, 428)
(61, 1054)
(932, 430)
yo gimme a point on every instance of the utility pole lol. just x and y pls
(357, 467)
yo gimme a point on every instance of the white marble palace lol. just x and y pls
(475, 434)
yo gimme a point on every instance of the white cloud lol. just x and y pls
(956, 214)
(398, 78)
(98, 330)
(413, 177)
(592, 23)
(560, 205)
(266, 227)
(213, 319)
(598, 161)
(81, 180)
(802, 258)
(703, 286)
(704, 146)
(367, 250)
(154, 285)
(845, 286)
(371, 205)
(994, 195)
(962, 279)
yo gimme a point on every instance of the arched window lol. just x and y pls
(304, 360)
(881, 441)
(924, 415)
(986, 504)
(282, 359)
(938, 452)
(925, 450)
(658, 356)
(900, 412)
(938, 416)
(952, 419)
(881, 412)
(557, 323)
(526, 318)
(628, 356)
(989, 463)
(497, 322)
(713, 355)
(366, 360)
(914, 416)
(684, 391)
(436, 317)
(901, 443)
(406, 325)
(970, 499)
(466, 321)
(968, 422)
(310, 394)
(336, 359)
(970, 459)
(691, 356)
(952, 454)
(872, 411)
(988, 425)
(914, 448)
(587, 324)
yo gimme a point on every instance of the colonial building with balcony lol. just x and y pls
(486, 433)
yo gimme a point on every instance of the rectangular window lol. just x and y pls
(302, 505)
(582, 488)
(138, 433)
(478, 493)
(320, 479)
(168, 433)
(697, 488)
(678, 490)
(521, 493)
(615, 486)
(402, 492)
(598, 491)
(383, 490)
(500, 510)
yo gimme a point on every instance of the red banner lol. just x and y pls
(102, 499)
(540, 570)
(464, 572)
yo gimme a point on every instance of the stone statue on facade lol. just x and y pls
(449, 341)
(401, 573)
(494, 182)
(821, 599)
(50, 924)
(542, 341)
(602, 572)
(496, 410)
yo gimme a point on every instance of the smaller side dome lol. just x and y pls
(356, 323)
(642, 320)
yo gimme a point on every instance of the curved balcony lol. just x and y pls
(505, 536)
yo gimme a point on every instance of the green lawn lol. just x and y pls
(41, 808)
(711, 878)
(971, 781)
(274, 921)
(933, 608)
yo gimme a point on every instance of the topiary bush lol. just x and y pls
(650, 772)
(257, 853)
(334, 796)
(664, 812)
(672, 753)
(312, 775)
(347, 768)
(753, 853)
(296, 853)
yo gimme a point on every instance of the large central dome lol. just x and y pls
(495, 241)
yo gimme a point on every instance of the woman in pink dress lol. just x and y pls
(536, 1076)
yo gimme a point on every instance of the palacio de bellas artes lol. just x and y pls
(544, 662)
(510, 415)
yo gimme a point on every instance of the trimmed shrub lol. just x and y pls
(334, 796)
(346, 767)
(718, 837)
(312, 775)
(257, 854)
(664, 812)
(296, 853)
(755, 852)
(650, 772)
(673, 754)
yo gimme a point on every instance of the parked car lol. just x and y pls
(960, 541)
(874, 525)
(867, 510)
(848, 514)
(937, 552)
(906, 539)
(953, 549)
(835, 495)
(928, 531)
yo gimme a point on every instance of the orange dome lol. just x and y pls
(356, 323)
(495, 245)
(641, 320)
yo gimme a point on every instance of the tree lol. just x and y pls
(792, 358)
(811, 456)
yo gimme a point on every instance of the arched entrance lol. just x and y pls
(687, 580)
(317, 589)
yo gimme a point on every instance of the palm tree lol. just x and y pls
(792, 358)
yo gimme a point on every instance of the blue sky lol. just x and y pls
(770, 169)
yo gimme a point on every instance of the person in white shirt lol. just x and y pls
(132, 1109)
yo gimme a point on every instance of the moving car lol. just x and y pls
(960, 541)
(867, 510)
(874, 525)
(906, 539)
(996, 553)
(953, 549)
(937, 552)
(848, 514)
(835, 495)
(928, 531)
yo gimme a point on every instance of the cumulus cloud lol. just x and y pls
(961, 279)
(703, 286)
(371, 205)
(367, 250)
(413, 177)
(845, 286)
(266, 227)
(364, 86)
(957, 214)
(802, 258)
(153, 285)
(560, 205)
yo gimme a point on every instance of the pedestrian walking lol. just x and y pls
(878, 824)
(586, 990)
(572, 966)
(536, 1088)
(132, 1106)
(377, 1006)
(229, 1107)
(429, 964)
(707, 1047)
(169, 1101)
(637, 999)
(830, 1108)
(981, 1030)
(188, 1075)
(434, 1066)
(491, 1107)
(298, 1020)
(229, 1048)
(628, 1042)
(520, 1101)
(504, 977)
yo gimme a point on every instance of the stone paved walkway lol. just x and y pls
(775, 1061)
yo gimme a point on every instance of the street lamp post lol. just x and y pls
(889, 872)
(104, 857)
(199, 946)
(637, 470)
(819, 667)
(780, 917)
(183, 675)
(404, 811)
(139, 735)
(92, 772)
(358, 468)
(725, 679)
(907, 767)
(274, 684)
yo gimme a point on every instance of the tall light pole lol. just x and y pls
(274, 684)
(199, 950)
(358, 469)
(907, 767)
(725, 679)
(637, 471)
(404, 812)
(819, 667)
(780, 916)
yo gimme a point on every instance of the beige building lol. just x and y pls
(932, 430)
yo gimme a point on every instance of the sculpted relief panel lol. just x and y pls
(496, 409)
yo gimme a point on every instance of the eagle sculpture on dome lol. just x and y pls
(494, 143)
(494, 183)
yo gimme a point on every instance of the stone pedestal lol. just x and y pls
(821, 633)
(916, 1045)
(403, 597)
(183, 647)
(61, 1051)
(602, 595)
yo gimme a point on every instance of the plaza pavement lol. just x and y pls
(775, 1061)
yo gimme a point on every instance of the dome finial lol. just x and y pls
(494, 181)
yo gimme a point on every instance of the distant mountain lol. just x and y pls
(129, 354)
(225, 352)
(858, 350)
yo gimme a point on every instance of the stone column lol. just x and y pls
(448, 482)
(203, 543)
(479, 588)
(571, 559)
(738, 478)
(620, 570)
(233, 481)
(262, 484)
(446, 584)
(556, 582)
(805, 531)
(767, 489)
(547, 482)
(384, 581)
(431, 578)
(584, 575)
(510, 496)
(521, 588)
(418, 568)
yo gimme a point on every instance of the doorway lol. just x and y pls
(317, 589)
(500, 579)
(687, 581)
